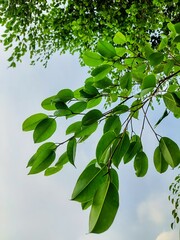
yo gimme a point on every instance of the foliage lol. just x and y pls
(43, 27)
(126, 80)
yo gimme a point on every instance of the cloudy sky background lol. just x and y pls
(37, 207)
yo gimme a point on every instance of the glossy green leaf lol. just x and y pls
(134, 147)
(74, 128)
(106, 49)
(141, 164)
(42, 161)
(64, 95)
(104, 208)
(62, 110)
(170, 151)
(44, 130)
(71, 150)
(120, 147)
(156, 58)
(91, 117)
(52, 170)
(159, 162)
(78, 107)
(100, 72)
(119, 38)
(86, 130)
(112, 123)
(104, 144)
(126, 81)
(48, 103)
(31, 122)
(92, 59)
(88, 182)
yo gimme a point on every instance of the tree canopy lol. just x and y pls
(132, 49)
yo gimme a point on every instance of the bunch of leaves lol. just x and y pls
(44, 27)
(121, 89)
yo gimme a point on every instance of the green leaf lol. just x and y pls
(31, 122)
(156, 58)
(91, 117)
(48, 103)
(171, 103)
(114, 177)
(86, 204)
(64, 95)
(71, 150)
(94, 102)
(88, 182)
(103, 145)
(168, 67)
(63, 159)
(106, 49)
(63, 110)
(177, 27)
(103, 83)
(78, 107)
(126, 81)
(120, 51)
(163, 43)
(120, 147)
(159, 162)
(104, 208)
(120, 109)
(141, 164)
(100, 72)
(119, 38)
(149, 82)
(44, 130)
(86, 130)
(135, 107)
(165, 114)
(52, 170)
(134, 147)
(92, 59)
(112, 123)
(74, 128)
(42, 161)
(170, 151)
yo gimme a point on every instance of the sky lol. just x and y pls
(38, 207)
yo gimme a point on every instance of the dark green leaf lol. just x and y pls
(31, 122)
(141, 164)
(126, 81)
(104, 207)
(78, 107)
(177, 27)
(171, 103)
(120, 109)
(159, 162)
(88, 182)
(112, 123)
(71, 150)
(86, 130)
(91, 117)
(168, 67)
(165, 114)
(134, 148)
(106, 49)
(103, 83)
(64, 95)
(135, 106)
(156, 58)
(92, 59)
(74, 128)
(44, 130)
(100, 72)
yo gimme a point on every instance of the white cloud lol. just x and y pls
(153, 209)
(171, 235)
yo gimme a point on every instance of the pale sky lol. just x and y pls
(37, 207)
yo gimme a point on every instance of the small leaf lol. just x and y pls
(88, 182)
(48, 103)
(156, 58)
(44, 130)
(171, 103)
(100, 72)
(170, 151)
(141, 164)
(106, 49)
(103, 145)
(94, 102)
(74, 128)
(52, 170)
(92, 59)
(104, 208)
(64, 95)
(71, 150)
(31, 122)
(119, 38)
(92, 117)
(86, 205)
(78, 107)
(165, 114)
(112, 123)
(159, 162)
(63, 159)
(134, 147)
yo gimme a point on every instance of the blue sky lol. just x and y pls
(38, 207)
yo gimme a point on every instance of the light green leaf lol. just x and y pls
(120, 51)
(119, 38)
(94, 102)
(86, 205)
(78, 107)
(74, 128)
(171, 103)
(71, 150)
(126, 81)
(141, 164)
(159, 162)
(48, 103)
(112, 123)
(86, 130)
(31, 122)
(100, 72)
(64, 95)
(103, 145)
(88, 182)
(63, 159)
(52, 170)
(156, 58)
(104, 208)
(106, 49)
(92, 59)
(149, 82)
(168, 67)
(91, 117)
(44, 130)
(103, 83)
(170, 151)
